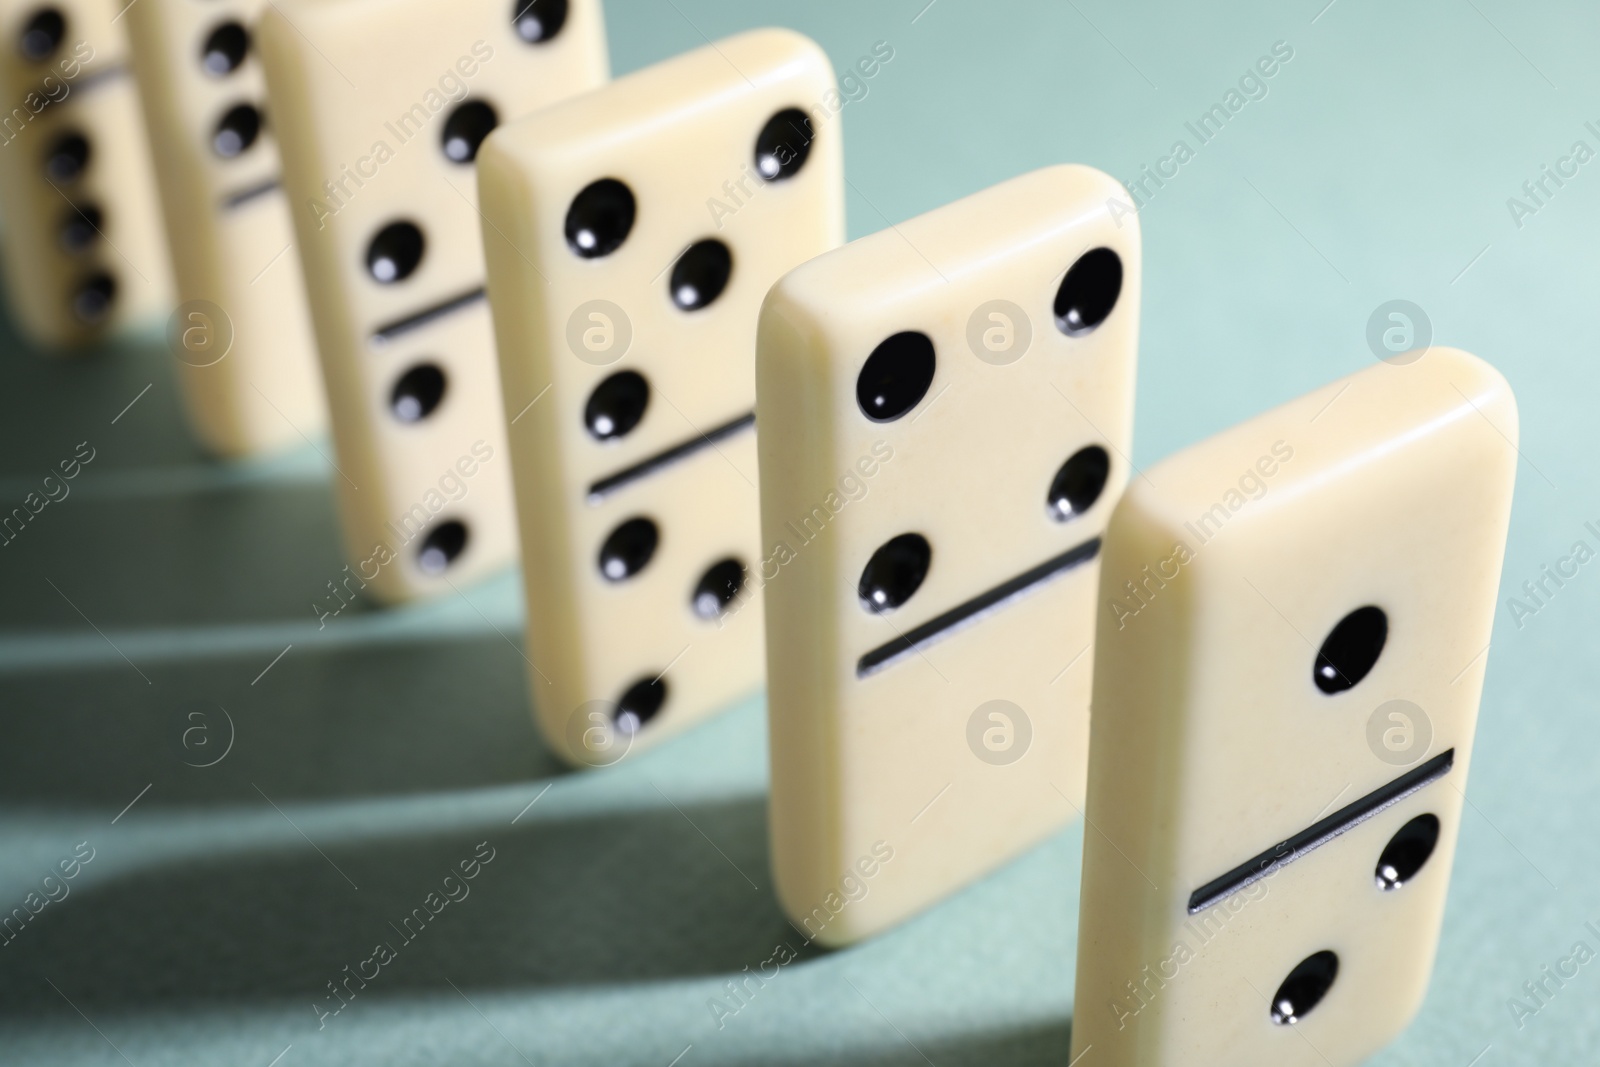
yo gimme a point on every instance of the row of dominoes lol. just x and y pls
(1287, 622)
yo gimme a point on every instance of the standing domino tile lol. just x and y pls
(1292, 642)
(945, 409)
(243, 339)
(631, 235)
(381, 106)
(83, 249)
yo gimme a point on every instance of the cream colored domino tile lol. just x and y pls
(632, 234)
(946, 411)
(82, 242)
(381, 107)
(246, 357)
(1294, 623)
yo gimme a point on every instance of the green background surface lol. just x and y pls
(378, 751)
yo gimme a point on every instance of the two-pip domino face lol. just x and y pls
(381, 106)
(84, 252)
(227, 224)
(1292, 643)
(945, 411)
(631, 235)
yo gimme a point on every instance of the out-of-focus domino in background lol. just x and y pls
(82, 243)
(243, 341)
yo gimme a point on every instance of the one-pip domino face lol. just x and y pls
(1294, 625)
(83, 247)
(381, 106)
(945, 411)
(631, 235)
(247, 362)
